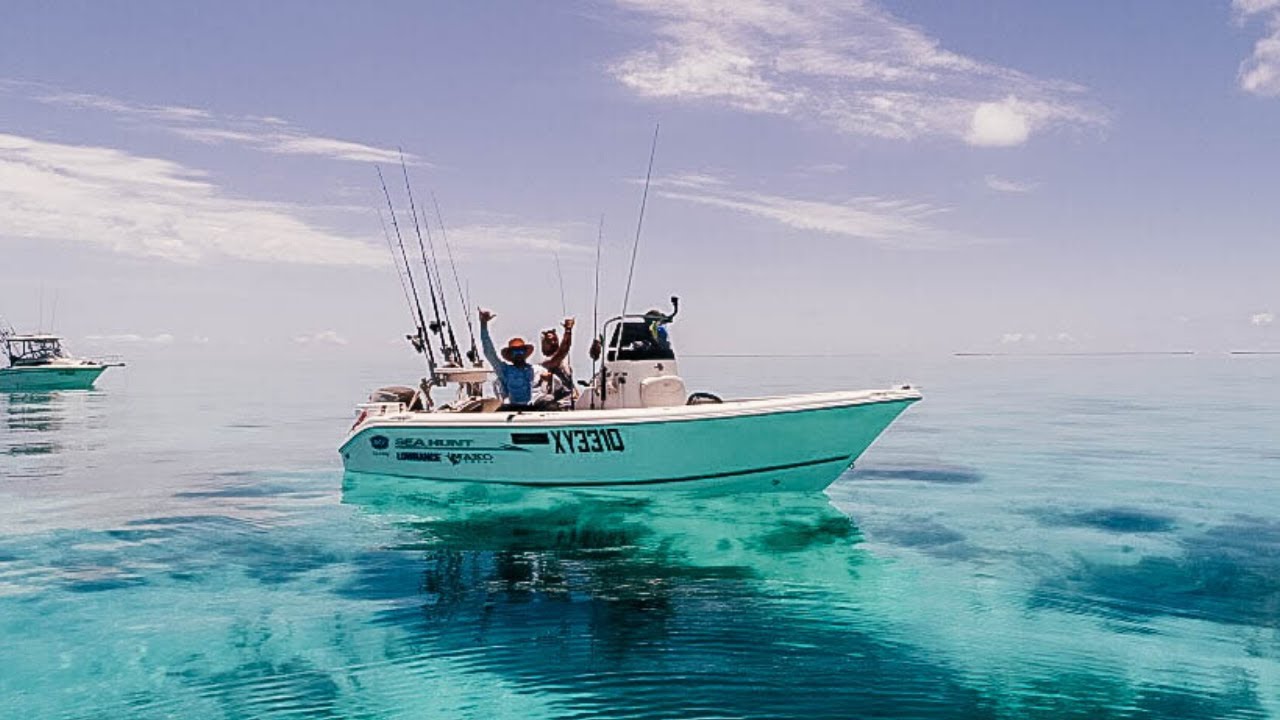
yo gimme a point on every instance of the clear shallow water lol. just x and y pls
(1083, 537)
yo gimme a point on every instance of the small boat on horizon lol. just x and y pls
(38, 363)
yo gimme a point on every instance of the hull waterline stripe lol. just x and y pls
(629, 483)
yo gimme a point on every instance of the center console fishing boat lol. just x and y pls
(635, 425)
(38, 363)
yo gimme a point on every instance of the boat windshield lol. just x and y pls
(33, 351)
(641, 340)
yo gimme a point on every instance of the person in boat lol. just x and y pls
(556, 380)
(515, 374)
(657, 322)
(658, 339)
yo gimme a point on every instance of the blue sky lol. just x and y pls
(831, 176)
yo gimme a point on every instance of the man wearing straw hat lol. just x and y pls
(515, 374)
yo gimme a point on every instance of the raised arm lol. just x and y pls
(565, 343)
(486, 342)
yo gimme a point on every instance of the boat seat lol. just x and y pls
(663, 391)
(477, 405)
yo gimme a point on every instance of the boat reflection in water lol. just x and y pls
(699, 527)
(35, 422)
(651, 605)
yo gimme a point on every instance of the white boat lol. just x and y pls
(38, 363)
(635, 426)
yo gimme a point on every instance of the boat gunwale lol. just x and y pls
(785, 404)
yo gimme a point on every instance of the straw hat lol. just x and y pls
(516, 345)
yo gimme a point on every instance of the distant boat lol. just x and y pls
(38, 363)
(635, 426)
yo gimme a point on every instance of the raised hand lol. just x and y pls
(568, 323)
(486, 315)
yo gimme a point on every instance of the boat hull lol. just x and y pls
(52, 377)
(802, 443)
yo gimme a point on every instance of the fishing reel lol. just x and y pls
(416, 341)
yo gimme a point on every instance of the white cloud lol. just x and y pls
(492, 241)
(1000, 184)
(267, 134)
(152, 207)
(884, 221)
(1260, 73)
(1024, 338)
(131, 339)
(1262, 318)
(830, 168)
(999, 124)
(846, 63)
(323, 337)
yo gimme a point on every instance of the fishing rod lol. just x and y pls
(422, 346)
(595, 304)
(399, 275)
(564, 307)
(472, 354)
(438, 326)
(635, 246)
(444, 296)
(435, 268)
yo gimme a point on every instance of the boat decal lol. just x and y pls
(423, 443)
(471, 458)
(530, 438)
(456, 445)
(576, 442)
(453, 458)
(379, 442)
(419, 456)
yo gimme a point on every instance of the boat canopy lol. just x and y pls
(33, 349)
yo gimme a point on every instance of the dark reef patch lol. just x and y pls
(1113, 519)
(940, 475)
(1228, 574)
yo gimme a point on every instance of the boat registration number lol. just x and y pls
(574, 442)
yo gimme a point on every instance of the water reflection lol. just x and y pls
(33, 423)
(34, 412)
(654, 605)
(747, 530)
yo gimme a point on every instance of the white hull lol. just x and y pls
(799, 442)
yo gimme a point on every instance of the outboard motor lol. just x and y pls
(411, 398)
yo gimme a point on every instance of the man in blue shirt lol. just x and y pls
(515, 375)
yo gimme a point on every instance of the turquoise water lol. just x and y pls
(1070, 537)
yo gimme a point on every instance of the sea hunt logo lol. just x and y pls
(424, 443)
(575, 442)
(470, 458)
(379, 442)
(419, 456)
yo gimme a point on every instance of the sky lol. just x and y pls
(829, 177)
